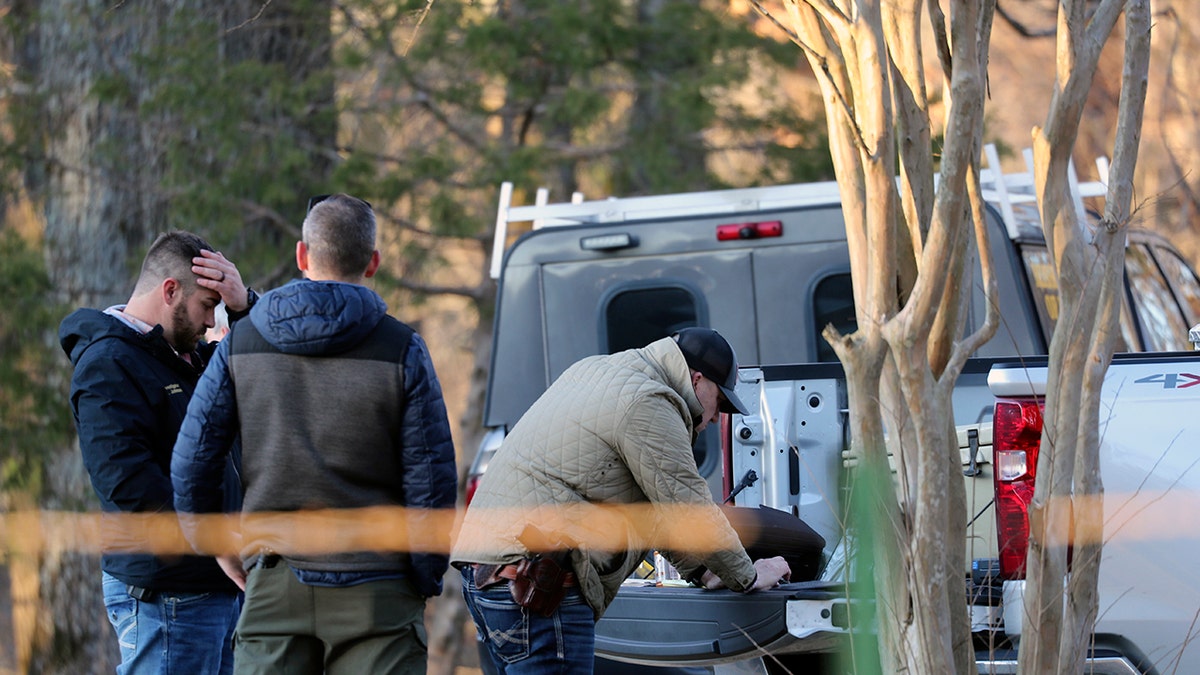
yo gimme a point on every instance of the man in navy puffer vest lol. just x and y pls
(338, 408)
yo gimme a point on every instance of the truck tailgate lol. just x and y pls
(694, 626)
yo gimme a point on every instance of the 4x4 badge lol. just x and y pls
(1171, 380)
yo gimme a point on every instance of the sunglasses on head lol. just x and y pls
(313, 201)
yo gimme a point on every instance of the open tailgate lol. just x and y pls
(693, 626)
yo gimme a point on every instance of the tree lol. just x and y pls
(108, 155)
(62, 66)
(1165, 184)
(1089, 263)
(911, 241)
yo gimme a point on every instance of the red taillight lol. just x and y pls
(1016, 435)
(472, 486)
(770, 228)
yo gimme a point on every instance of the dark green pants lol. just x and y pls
(290, 627)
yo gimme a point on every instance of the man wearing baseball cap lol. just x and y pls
(612, 430)
(707, 353)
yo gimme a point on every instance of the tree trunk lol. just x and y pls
(656, 122)
(907, 248)
(100, 180)
(98, 173)
(96, 182)
(1061, 600)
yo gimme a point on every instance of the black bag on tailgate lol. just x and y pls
(766, 532)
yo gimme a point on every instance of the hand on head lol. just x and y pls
(216, 273)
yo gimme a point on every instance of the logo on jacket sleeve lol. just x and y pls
(173, 388)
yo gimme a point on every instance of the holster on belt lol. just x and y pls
(540, 584)
(537, 583)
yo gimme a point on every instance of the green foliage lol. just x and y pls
(424, 109)
(870, 481)
(241, 115)
(33, 407)
(600, 95)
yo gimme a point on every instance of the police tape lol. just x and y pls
(690, 528)
(680, 527)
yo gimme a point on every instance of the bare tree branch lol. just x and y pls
(413, 38)
(262, 8)
(1021, 28)
(256, 211)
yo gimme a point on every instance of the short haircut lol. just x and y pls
(339, 232)
(170, 256)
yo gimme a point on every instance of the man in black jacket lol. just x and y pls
(136, 366)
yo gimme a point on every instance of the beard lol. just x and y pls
(184, 335)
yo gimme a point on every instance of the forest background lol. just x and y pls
(123, 119)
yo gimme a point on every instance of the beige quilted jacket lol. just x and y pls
(612, 430)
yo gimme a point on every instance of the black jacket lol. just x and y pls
(129, 395)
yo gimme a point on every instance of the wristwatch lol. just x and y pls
(251, 298)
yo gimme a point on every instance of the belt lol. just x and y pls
(490, 575)
(266, 560)
(141, 594)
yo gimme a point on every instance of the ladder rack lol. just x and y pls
(1006, 191)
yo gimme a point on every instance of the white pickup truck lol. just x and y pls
(1149, 592)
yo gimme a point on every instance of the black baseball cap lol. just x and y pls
(709, 354)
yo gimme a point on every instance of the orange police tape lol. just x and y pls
(613, 527)
(678, 527)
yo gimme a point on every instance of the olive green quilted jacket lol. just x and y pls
(612, 431)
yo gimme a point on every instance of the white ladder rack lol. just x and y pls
(1004, 190)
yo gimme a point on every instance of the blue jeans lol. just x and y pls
(188, 633)
(521, 642)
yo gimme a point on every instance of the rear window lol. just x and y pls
(1161, 302)
(833, 304)
(638, 316)
(1183, 282)
(635, 318)
(1163, 327)
(1043, 284)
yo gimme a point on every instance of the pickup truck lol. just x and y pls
(769, 268)
(1149, 595)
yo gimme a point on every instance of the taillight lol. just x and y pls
(1016, 435)
(472, 486)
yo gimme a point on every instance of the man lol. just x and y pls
(136, 366)
(614, 429)
(338, 407)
